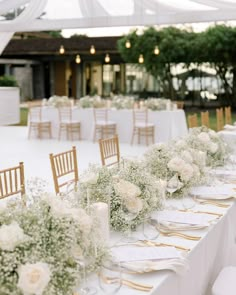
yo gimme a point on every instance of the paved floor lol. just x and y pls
(15, 147)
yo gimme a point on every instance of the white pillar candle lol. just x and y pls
(101, 214)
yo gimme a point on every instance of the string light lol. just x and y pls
(61, 49)
(140, 59)
(92, 50)
(107, 58)
(156, 50)
(78, 59)
(127, 44)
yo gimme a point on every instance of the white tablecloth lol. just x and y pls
(168, 124)
(229, 137)
(215, 250)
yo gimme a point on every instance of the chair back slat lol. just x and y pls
(12, 181)
(192, 121)
(220, 119)
(228, 115)
(205, 119)
(100, 114)
(110, 151)
(62, 165)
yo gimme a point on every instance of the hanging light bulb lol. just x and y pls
(107, 58)
(156, 50)
(140, 59)
(127, 44)
(78, 59)
(61, 49)
(92, 50)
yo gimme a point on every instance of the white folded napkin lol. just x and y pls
(132, 253)
(182, 217)
(180, 265)
(213, 192)
(166, 225)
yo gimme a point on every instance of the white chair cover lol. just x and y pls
(225, 283)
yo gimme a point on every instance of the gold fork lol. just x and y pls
(156, 244)
(178, 234)
(128, 283)
(201, 212)
(211, 202)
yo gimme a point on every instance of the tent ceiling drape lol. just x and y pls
(41, 15)
(104, 13)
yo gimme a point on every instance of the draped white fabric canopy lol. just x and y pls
(41, 15)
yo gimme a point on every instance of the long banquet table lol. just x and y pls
(216, 249)
(168, 124)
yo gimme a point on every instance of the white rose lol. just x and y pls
(134, 205)
(174, 184)
(213, 134)
(175, 164)
(187, 156)
(213, 147)
(11, 236)
(181, 144)
(204, 137)
(126, 189)
(33, 278)
(186, 172)
(199, 157)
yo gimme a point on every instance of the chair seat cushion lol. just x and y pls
(225, 283)
(105, 123)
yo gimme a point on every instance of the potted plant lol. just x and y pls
(9, 100)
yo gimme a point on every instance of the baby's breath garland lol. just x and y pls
(131, 185)
(40, 247)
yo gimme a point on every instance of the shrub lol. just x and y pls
(8, 81)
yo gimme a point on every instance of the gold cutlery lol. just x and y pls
(128, 283)
(212, 202)
(178, 234)
(172, 233)
(202, 212)
(156, 244)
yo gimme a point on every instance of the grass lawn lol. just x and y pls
(212, 113)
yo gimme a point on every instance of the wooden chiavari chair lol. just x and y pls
(68, 124)
(141, 126)
(12, 181)
(205, 119)
(64, 169)
(192, 121)
(102, 126)
(110, 151)
(219, 119)
(36, 122)
(228, 115)
(179, 104)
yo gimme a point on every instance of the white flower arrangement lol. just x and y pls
(122, 102)
(181, 168)
(91, 102)
(37, 247)
(58, 101)
(208, 141)
(158, 104)
(131, 185)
